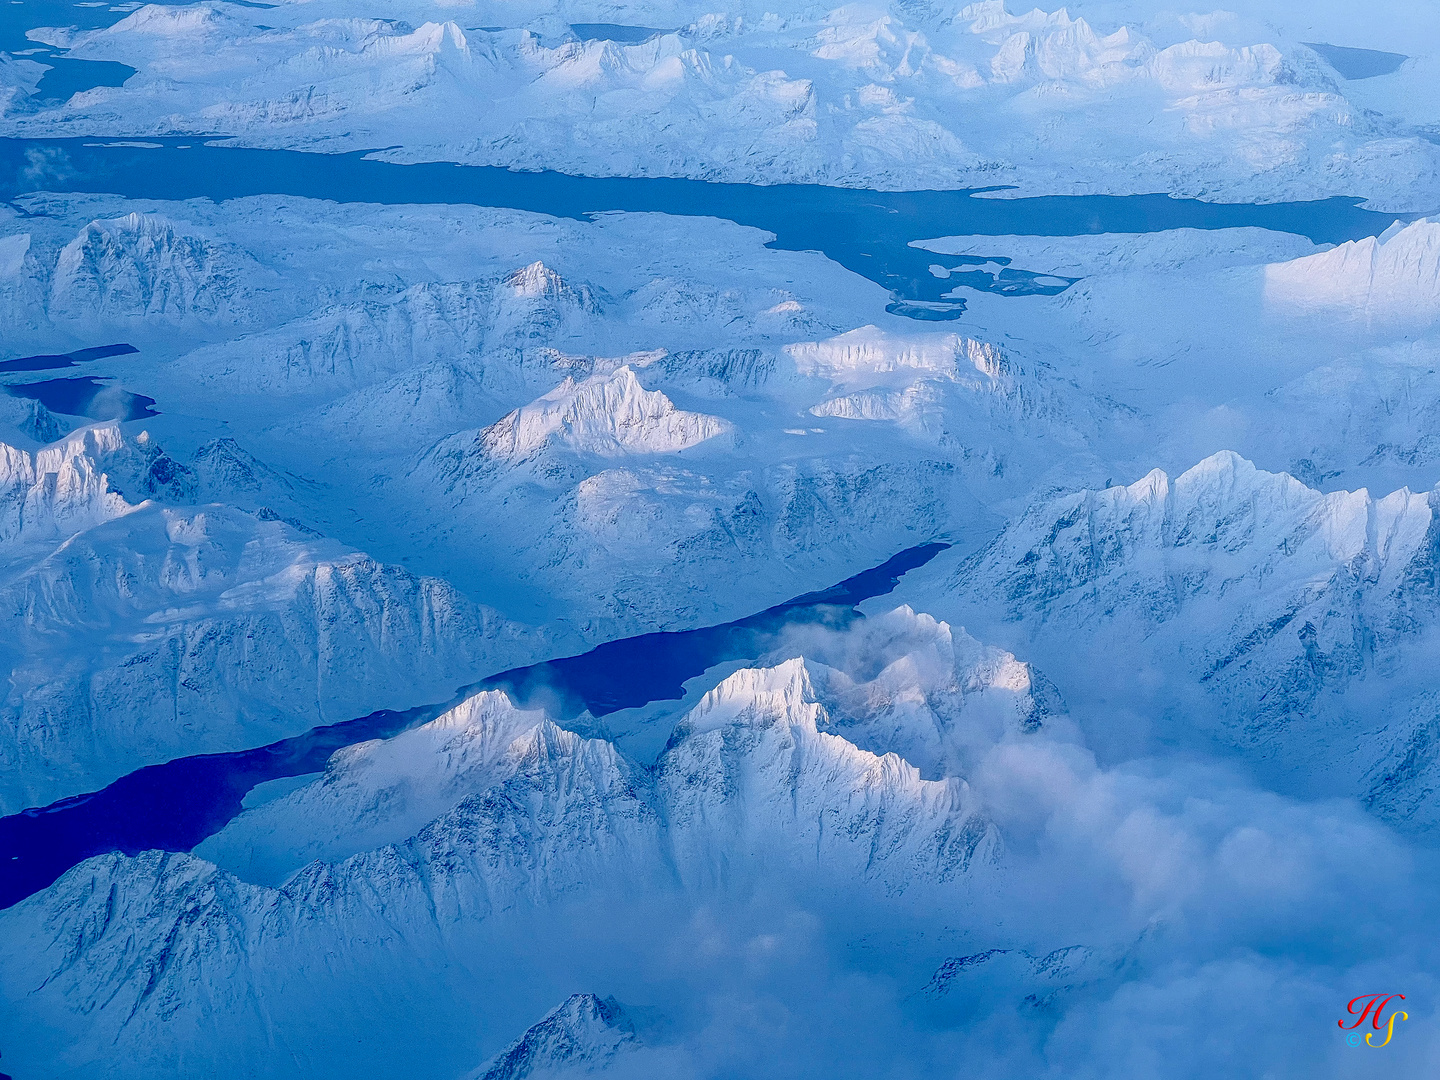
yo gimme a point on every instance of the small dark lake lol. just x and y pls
(92, 396)
(51, 361)
(176, 805)
(1357, 63)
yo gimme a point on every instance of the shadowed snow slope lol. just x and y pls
(140, 266)
(582, 1035)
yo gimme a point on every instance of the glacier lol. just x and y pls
(472, 408)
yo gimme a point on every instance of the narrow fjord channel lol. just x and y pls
(175, 805)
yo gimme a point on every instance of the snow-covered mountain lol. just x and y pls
(753, 788)
(1387, 281)
(1187, 732)
(759, 795)
(138, 631)
(139, 266)
(56, 491)
(941, 699)
(382, 792)
(947, 388)
(1302, 616)
(606, 416)
(893, 95)
(582, 1035)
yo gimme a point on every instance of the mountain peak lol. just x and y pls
(608, 414)
(756, 696)
(583, 1034)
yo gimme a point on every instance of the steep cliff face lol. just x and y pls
(50, 494)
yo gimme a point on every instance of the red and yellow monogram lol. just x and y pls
(1372, 1007)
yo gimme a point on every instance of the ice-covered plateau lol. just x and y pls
(447, 839)
(892, 95)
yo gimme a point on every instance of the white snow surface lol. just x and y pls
(1188, 731)
(1283, 605)
(894, 95)
(758, 788)
(1391, 280)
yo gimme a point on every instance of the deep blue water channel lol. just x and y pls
(867, 232)
(176, 805)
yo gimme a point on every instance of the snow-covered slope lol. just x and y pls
(58, 490)
(947, 700)
(760, 811)
(1387, 281)
(581, 1036)
(140, 266)
(946, 388)
(750, 790)
(483, 324)
(606, 416)
(381, 792)
(351, 345)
